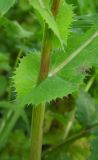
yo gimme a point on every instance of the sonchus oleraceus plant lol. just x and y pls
(56, 70)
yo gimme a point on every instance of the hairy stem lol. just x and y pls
(38, 111)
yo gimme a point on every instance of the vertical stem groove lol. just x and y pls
(38, 111)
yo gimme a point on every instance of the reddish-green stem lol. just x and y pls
(38, 111)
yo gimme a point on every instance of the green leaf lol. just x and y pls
(55, 135)
(4, 57)
(26, 74)
(14, 29)
(7, 105)
(68, 80)
(46, 14)
(75, 151)
(75, 67)
(59, 26)
(4, 62)
(94, 150)
(60, 153)
(64, 21)
(48, 90)
(5, 5)
(25, 80)
(77, 39)
(85, 21)
(86, 110)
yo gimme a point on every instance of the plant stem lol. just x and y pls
(38, 111)
(69, 125)
(89, 84)
(45, 58)
(37, 131)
